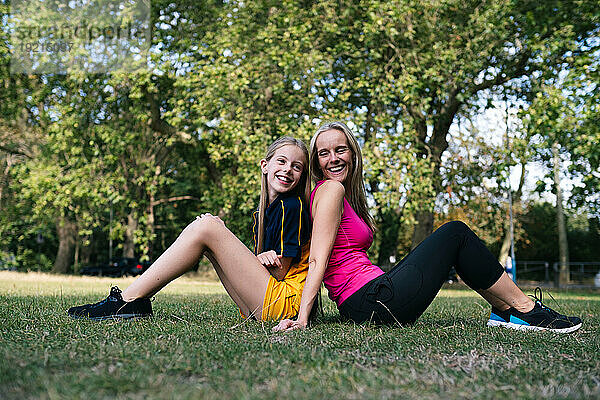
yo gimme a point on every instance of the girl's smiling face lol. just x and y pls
(283, 170)
(334, 155)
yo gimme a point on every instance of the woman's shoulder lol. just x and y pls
(329, 188)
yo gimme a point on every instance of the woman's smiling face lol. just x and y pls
(284, 170)
(334, 155)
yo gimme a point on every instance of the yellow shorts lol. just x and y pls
(282, 299)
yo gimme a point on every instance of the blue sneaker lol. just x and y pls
(541, 318)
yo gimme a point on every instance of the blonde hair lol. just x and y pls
(354, 184)
(302, 189)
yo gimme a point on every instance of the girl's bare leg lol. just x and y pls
(243, 276)
(224, 280)
(505, 294)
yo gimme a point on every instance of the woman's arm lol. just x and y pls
(327, 210)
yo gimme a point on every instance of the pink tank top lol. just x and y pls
(349, 268)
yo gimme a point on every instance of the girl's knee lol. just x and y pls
(201, 227)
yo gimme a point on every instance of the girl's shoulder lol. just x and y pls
(291, 201)
(287, 204)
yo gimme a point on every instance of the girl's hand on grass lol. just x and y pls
(289, 325)
(270, 259)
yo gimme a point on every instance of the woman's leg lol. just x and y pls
(243, 276)
(505, 294)
(419, 276)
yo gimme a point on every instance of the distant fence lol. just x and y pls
(580, 272)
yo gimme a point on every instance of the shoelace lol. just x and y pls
(538, 300)
(114, 291)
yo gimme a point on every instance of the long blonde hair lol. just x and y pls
(354, 184)
(302, 189)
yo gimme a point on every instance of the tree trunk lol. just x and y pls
(86, 251)
(76, 257)
(389, 231)
(433, 150)
(563, 246)
(505, 249)
(129, 245)
(151, 226)
(66, 231)
(151, 219)
(423, 228)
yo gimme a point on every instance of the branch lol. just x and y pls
(14, 151)
(518, 70)
(172, 199)
(445, 118)
(161, 126)
(156, 121)
(421, 128)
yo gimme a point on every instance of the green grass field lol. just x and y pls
(197, 346)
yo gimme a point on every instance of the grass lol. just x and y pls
(197, 346)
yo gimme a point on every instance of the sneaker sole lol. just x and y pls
(518, 327)
(113, 317)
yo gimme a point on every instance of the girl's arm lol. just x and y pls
(288, 243)
(327, 210)
(280, 271)
(277, 265)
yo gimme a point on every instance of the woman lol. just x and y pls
(343, 231)
(265, 285)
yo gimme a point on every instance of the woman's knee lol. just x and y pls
(456, 226)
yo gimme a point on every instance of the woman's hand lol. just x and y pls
(270, 259)
(287, 325)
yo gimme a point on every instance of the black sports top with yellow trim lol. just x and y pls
(287, 232)
(287, 227)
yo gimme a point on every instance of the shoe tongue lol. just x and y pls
(541, 305)
(115, 292)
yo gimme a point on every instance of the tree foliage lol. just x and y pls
(183, 134)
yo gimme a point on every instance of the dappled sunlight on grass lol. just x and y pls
(460, 290)
(36, 283)
(197, 346)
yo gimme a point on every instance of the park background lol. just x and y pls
(455, 103)
(451, 100)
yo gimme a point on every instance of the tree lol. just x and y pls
(424, 63)
(552, 122)
(226, 78)
(249, 81)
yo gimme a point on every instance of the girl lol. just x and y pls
(343, 231)
(265, 285)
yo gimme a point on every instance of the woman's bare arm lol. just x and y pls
(327, 210)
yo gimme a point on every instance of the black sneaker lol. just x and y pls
(541, 318)
(113, 307)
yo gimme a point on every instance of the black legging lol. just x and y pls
(403, 293)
